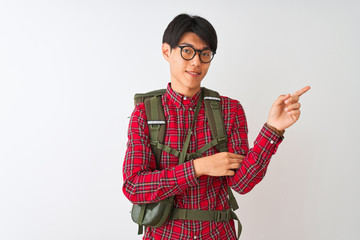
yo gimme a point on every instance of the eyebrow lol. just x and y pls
(190, 45)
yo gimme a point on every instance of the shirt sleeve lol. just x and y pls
(253, 168)
(143, 183)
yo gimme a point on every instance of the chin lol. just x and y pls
(194, 85)
(194, 82)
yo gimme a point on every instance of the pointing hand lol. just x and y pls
(285, 111)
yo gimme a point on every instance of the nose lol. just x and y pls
(196, 60)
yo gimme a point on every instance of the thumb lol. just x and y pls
(281, 99)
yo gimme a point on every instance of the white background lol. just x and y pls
(68, 73)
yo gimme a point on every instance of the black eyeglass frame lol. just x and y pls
(195, 51)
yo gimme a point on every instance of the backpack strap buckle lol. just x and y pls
(154, 143)
(221, 216)
(194, 155)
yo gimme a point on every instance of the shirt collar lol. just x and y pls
(180, 100)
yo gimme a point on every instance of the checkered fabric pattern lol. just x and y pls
(143, 183)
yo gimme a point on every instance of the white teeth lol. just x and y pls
(194, 73)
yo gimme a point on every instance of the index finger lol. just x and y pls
(301, 91)
(234, 155)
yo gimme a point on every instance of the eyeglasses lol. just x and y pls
(188, 53)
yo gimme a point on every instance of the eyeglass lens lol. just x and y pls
(188, 53)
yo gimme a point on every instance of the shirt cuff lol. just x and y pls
(275, 130)
(267, 142)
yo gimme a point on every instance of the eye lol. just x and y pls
(206, 54)
(188, 50)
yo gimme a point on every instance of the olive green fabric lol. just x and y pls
(214, 115)
(140, 97)
(206, 215)
(153, 214)
(155, 113)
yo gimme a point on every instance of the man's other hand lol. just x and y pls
(219, 164)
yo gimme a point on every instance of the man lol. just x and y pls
(189, 45)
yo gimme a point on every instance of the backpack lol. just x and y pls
(156, 214)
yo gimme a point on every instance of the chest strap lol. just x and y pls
(206, 215)
(198, 153)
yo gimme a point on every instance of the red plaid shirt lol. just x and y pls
(143, 183)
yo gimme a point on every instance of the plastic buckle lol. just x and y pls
(214, 105)
(154, 143)
(221, 216)
(155, 126)
(193, 155)
(190, 156)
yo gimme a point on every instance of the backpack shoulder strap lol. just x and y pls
(140, 97)
(157, 124)
(155, 118)
(213, 112)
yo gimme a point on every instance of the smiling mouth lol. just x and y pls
(195, 74)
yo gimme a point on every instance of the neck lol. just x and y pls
(186, 91)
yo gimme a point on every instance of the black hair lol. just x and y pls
(185, 23)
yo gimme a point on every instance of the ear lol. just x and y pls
(166, 50)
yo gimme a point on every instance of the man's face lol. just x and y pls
(186, 75)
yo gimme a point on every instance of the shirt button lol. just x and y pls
(185, 98)
(272, 142)
(190, 109)
(195, 237)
